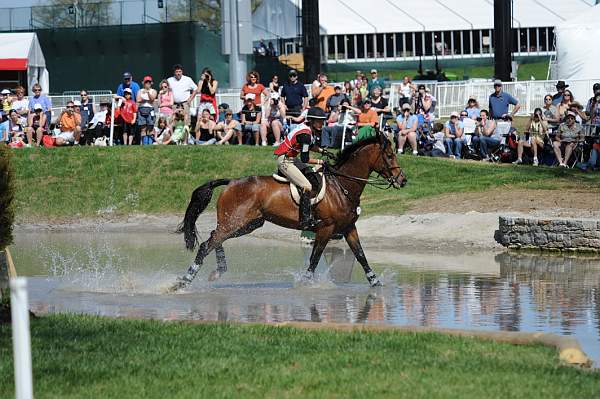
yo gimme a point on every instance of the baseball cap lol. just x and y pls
(37, 106)
(421, 86)
(454, 114)
(275, 96)
(249, 96)
(405, 106)
(224, 105)
(571, 113)
(293, 72)
(5, 91)
(77, 103)
(127, 75)
(128, 90)
(373, 70)
(497, 82)
(148, 78)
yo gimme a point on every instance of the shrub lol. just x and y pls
(7, 192)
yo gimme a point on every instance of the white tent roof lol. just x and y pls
(339, 17)
(22, 52)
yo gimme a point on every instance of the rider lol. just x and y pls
(301, 141)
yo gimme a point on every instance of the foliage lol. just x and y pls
(207, 12)
(117, 181)
(70, 13)
(91, 357)
(7, 193)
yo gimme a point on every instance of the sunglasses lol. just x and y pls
(566, 95)
(70, 107)
(36, 90)
(83, 95)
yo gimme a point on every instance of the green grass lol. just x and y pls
(69, 183)
(90, 357)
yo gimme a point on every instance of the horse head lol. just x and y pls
(386, 163)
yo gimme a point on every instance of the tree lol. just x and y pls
(207, 12)
(74, 13)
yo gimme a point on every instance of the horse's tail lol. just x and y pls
(200, 199)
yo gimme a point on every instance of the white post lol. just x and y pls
(112, 121)
(21, 340)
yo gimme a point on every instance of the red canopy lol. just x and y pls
(13, 64)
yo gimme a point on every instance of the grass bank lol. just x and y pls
(83, 356)
(70, 183)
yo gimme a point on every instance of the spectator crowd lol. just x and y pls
(180, 110)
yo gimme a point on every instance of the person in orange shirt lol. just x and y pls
(321, 91)
(70, 126)
(367, 122)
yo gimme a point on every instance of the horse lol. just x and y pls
(246, 203)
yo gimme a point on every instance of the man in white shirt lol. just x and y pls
(184, 90)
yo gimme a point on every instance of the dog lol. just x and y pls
(101, 141)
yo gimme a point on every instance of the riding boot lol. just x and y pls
(307, 221)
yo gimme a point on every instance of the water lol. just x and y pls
(126, 275)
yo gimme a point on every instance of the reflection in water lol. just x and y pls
(119, 275)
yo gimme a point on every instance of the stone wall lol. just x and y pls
(549, 234)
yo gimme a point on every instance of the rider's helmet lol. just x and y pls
(316, 113)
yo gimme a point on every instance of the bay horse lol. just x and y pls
(246, 203)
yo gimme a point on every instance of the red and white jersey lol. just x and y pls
(290, 146)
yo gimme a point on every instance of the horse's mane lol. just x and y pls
(351, 149)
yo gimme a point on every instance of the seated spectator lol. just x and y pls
(563, 106)
(162, 132)
(70, 126)
(20, 104)
(407, 129)
(205, 129)
(223, 107)
(181, 131)
(127, 115)
(331, 136)
(593, 109)
(367, 121)
(335, 99)
(251, 118)
(253, 86)
(228, 128)
(406, 91)
(489, 136)
(378, 103)
(6, 101)
(535, 133)
(145, 114)
(36, 124)
(472, 108)
(273, 118)
(435, 141)
(454, 139)
(568, 135)
(14, 130)
(165, 101)
(99, 126)
(550, 113)
(594, 161)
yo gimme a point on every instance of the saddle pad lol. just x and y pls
(296, 193)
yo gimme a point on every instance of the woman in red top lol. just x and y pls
(127, 113)
(254, 86)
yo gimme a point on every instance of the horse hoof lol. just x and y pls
(376, 283)
(179, 285)
(214, 275)
(308, 276)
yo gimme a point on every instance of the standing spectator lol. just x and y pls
(129, 83)
(70, 126)
(165, 101)
(550, 113)
(228, 128)
(205, 129)
(253, 86)
(593, 110)
(294, 94)
(362, 87)
(146, 117)
(499, 102)
(184, 89)
(560, 90)
(563, 106)
(36, 125)
(251, 117)
(378, 103)
(6, 101)
(375, 82)
(274, 84)
(472, 108)
(321, 91)
(454, 140)
(568, 135)
(127, 115)
(273, 117)
(21, 105)
(423, 106)
(357, 79)
(207, 85)
(407, 129)
(86, 110)
(406, 91)
(43, 100)
(537, 129)
(162, 131)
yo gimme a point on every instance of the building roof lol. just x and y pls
(339, 17)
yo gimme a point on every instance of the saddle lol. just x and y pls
(317, 181)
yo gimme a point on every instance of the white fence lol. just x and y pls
(453, 96)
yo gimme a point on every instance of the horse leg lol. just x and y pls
(322, 237)
(351, 236)
(220, 252)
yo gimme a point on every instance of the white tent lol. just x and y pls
(22, 52)
(576, 58)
